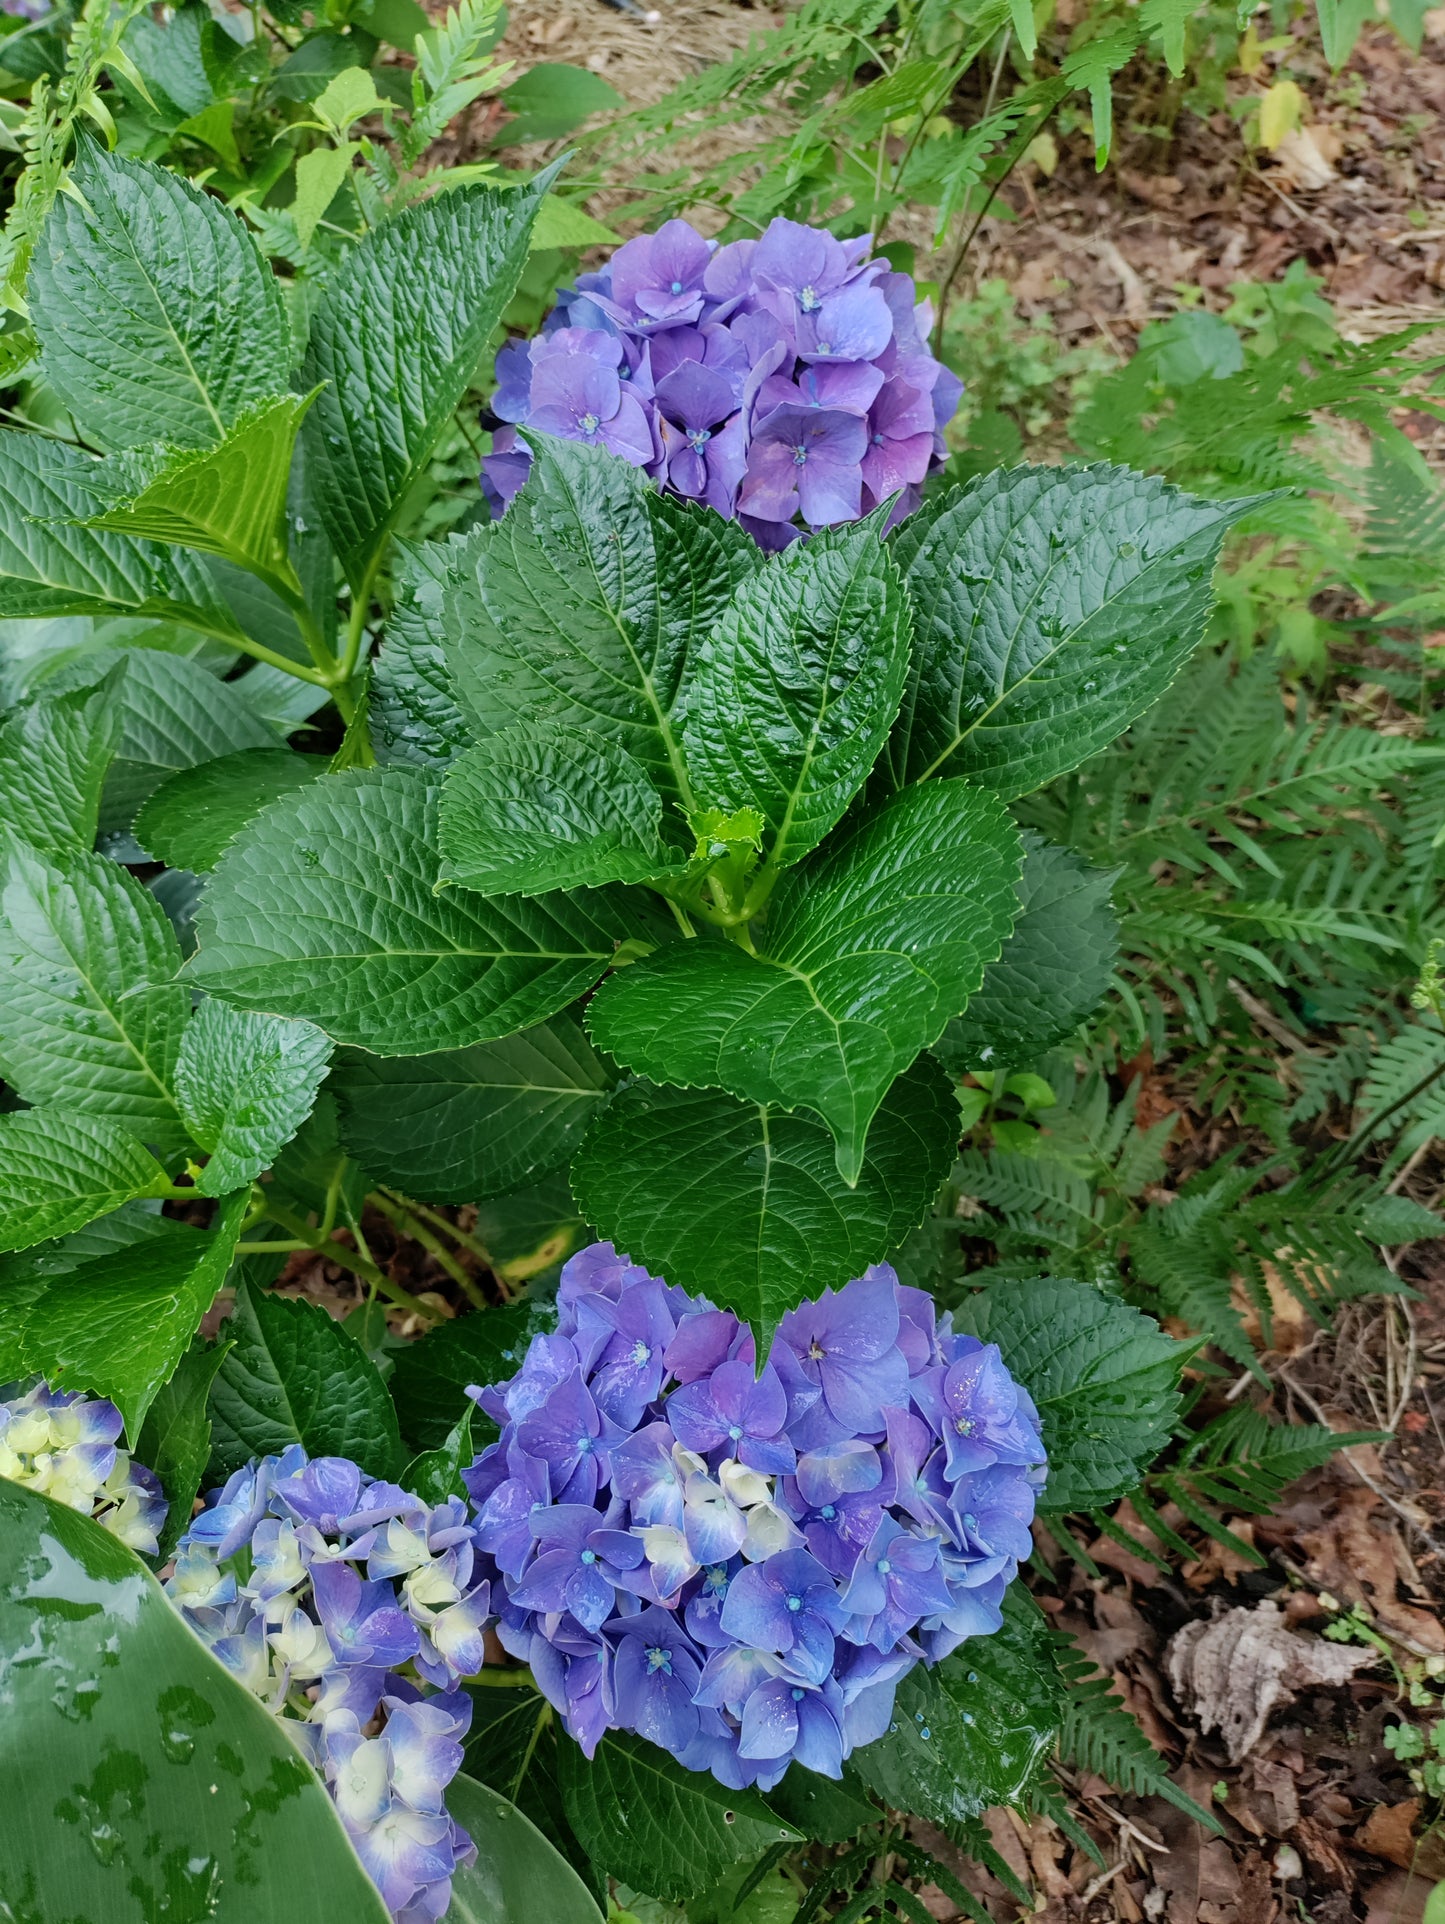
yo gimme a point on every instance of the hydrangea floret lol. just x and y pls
(786, 381)
(352, 1608)
(740, 1566)
(67, 1446)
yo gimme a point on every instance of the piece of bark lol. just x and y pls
(1231, 1673)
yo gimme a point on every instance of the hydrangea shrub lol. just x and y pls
(740, 1564)
(786, 380)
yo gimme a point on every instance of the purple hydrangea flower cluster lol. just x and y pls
(740, 1566)
(66, 1446)
(353, 1609)
(783, 380)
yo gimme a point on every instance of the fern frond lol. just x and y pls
(1100, 1735)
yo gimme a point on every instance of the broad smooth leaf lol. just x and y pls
(429, 1378)
(157, 316)
(140, 1780)
(796, 688)
(119, 1326)
(175, 1439)
(1055, 968)
(662, 1829)
(744, 1204)
(1105, 1378)
(542, 807)
(475, 1122)
(512, 1745)
(415, 718)
(1051, 607)
(295, 1376)
(518, 1875)
(245, 1084)
(225, 500)
(59, 1170)
(867, 952)
(53, 760)
(91, 1015)
(325, 907)
(582, 604)
(48, 566)
(396, 341)
(974, 1731)
(190, 818)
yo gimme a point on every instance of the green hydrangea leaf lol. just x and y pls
(91, 1015)
(245, 1084)
(225, 500)
(582, 605)
(118, 1326)
(123, 1723)
(542, 807)
(59, 1170)
(54, 757)
(396, 341)
(429, 1378)
(469, 1123)
(295, 1376)
(867, 952)
(415, 718)
(662, 1829)
(826, 1810)
(325, 907)
(188, 821)
(975, 1730)
(1105, 1378)
(744, 1204)
(518, 1873)
(1054, 971)
(175, 1439)
(158, 319)
(797, 686)
(1051, 607)
(50, 566)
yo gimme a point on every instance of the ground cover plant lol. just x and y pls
(754, 872)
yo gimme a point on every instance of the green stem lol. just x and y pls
(407, 1224)
(504, 1679)
(317, 646)
(350, 1259)
(270, 1249)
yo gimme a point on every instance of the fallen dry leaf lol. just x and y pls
(1231, 1673)
(1301, 161)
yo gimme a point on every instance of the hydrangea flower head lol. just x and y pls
(67, 1447)
(786, 381)
(353, 1609)
(740, 1565)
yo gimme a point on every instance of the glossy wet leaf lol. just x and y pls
(1104, 1375)
(518, 1875)
(512, 1745)
(1051, 606)
(1055, 968)
(867, 952)
(975, 1730)
(582, 605)
(191, 817)
(119, 1325)
(662, 1829)
(246, 1084)
(157, 316)
(296, 1376)
(325, 907)
(140, 1781)
(54, 756)
(396, 340)
(91, 1016)
(49, 568)
(430, 1377)
(469, 1123)
(542, 807)
(825, 1809)
(58, 1171)
(744, 1205)
(795, 689)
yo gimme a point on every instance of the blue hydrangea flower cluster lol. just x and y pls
(352, 1608)
(67, 1447)
(786, 381)
(740, 1567)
